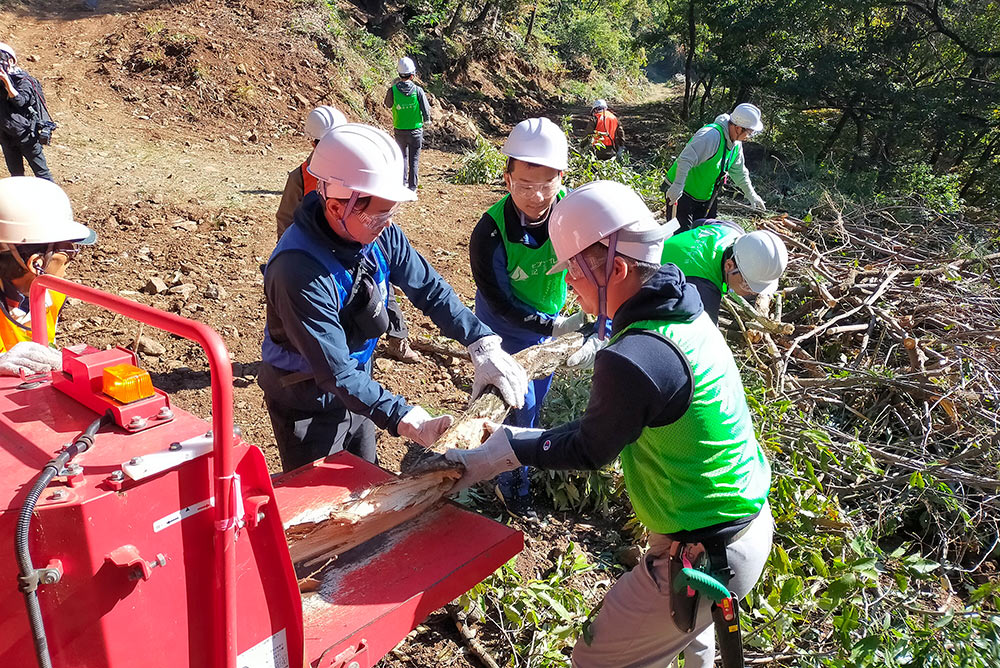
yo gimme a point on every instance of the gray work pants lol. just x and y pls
(410, 142)
(634, 628)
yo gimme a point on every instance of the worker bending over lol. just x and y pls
(326, 286)
(410, 112)
(511, 255)
(667, 398)
(299, 182)
(604, 132)
(320, 121)
(695, 179)
(37, 236)
(718, 255)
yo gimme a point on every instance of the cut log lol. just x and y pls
(332, 530)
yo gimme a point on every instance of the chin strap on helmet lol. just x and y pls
(603, 322)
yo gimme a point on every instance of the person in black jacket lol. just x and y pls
(18, 138)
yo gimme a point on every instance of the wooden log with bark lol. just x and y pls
(343, 525)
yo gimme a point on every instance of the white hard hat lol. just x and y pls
(747, 116)
(37, 211)
(599, 104)
(358, 158)
(595, 210)
(538, 141)
(323, 119)
(761, 258)
(7, 48)
(406, 66)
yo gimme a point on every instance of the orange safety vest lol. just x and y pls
(16, 326)
(309, 182)
(605, 130)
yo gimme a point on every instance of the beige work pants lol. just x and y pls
(634, 628)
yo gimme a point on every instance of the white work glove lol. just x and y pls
(584, 357)
(674, 192)
(489, 460)
(567, 324)
(497, 368)
(30, 357)
(418, 426)
(757, 202)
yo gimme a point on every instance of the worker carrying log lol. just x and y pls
(299, 182)
(604, 134)
(326, 286)
(717, 256)
(511, 255)
(713, 154)
(667, 398)
(37, 236)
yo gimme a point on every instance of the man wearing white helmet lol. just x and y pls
(667, 398)
(718, 255)
(410, 112)
(320, 121)
(510, 254)
(714, 153)
(299, 182)
(604, 132)
(326, 286)
(37, 236)
(19, 124)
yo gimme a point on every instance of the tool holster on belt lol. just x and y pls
(702, 568)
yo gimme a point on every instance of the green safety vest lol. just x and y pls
(527, 267)
(406, 110)
(702, 179)
(698, 252)
(707, 467)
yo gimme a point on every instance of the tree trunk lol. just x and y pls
(531, 22)
(692, 36)
(706, 95)
(373, 511)
(834, 135)
(984, 159)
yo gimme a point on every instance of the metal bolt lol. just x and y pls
(260, 517)
(174, 447)
(74, 469)
(57, 495)
(354, 664)
(137, 423)
(135, 461)
(117, 476)
(165, 413)
(161, 560)
(50, 577)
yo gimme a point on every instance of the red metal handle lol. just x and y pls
(222, 429)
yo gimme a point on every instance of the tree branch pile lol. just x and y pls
(888, 335)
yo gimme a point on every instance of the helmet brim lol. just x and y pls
(761, 287)
(558, 267)
(561, 165)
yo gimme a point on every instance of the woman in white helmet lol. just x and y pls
(667, 398)
(510, 254)
(37, 236)
(718, 256)
(326, 286)
(299, 182)
(714, 153)
(410, 113)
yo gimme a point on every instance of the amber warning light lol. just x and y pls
(127, 383)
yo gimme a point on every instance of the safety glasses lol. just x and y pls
(546, 189)
(574, 270)
(377, 221)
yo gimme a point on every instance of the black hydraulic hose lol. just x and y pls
(27, 581)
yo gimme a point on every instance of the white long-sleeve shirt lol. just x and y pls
(703, 145)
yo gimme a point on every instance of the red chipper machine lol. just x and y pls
(140, 535)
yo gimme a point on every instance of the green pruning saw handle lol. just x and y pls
(701, 582)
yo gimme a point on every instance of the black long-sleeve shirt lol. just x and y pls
(640, 380)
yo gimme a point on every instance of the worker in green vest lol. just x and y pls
(410, 112)
(667, 399)
(510, 255)
(717, 256)
(710, 156)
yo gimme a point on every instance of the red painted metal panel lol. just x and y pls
(375, 594)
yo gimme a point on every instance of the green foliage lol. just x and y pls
(485, 164)
(540, 616)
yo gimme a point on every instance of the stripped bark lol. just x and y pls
(370, 512)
